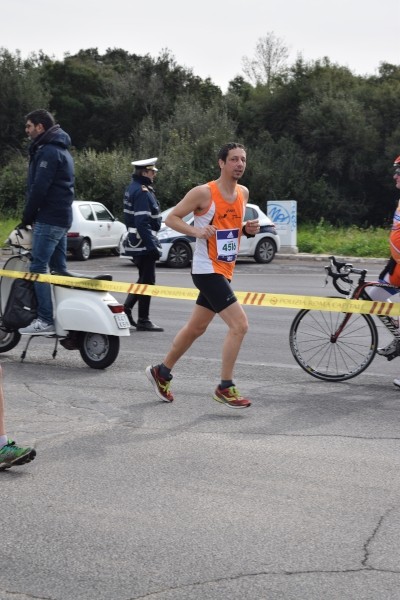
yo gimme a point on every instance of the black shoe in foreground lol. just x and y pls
(143, 325)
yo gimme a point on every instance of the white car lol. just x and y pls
(177, 248)
(93, 228)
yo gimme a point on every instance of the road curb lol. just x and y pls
(304, 257)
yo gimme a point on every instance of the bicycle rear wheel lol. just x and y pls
(323, 356)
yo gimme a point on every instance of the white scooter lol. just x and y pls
(86, 320)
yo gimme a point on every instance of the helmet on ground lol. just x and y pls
(20, 238)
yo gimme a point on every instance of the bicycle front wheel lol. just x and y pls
(328, 355)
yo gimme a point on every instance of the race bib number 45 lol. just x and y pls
(227, 244)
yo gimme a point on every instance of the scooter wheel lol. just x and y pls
(8, 340)
(98, 350)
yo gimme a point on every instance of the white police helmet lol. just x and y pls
(148, 163)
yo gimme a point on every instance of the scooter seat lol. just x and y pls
(103, 277)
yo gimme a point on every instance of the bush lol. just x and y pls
(13, 187)
(98, 176)
(103, 176)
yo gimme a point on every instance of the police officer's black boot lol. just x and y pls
(144, 323)
(129, 303)
(128, 313)
(147, 325)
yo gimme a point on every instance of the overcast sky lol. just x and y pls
(210, 37)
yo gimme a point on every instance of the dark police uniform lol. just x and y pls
(143, 220)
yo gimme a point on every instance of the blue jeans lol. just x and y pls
(49, 249)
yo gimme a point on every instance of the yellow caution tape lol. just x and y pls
(247, 298)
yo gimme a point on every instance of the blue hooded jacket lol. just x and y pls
(50, 180)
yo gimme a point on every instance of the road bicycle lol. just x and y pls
(336, 346)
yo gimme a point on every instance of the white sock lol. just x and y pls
(3, 440)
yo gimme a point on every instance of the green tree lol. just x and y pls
(79, 99)
(269, 61)
(13, 177)
(191, 139)
(21, 90)
(103, 176)
(314, 131)
(101, 100)
(321, 109)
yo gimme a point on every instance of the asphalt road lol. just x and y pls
(296, 498)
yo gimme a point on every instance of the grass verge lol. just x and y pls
(349, 241)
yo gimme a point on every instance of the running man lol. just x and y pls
(218, 208)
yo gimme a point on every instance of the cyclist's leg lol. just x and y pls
(381, 294)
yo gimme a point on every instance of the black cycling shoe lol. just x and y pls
(146, 325)
(390, 351)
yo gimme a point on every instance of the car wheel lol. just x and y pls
(179, 255)
(83, 252)
(265, 251)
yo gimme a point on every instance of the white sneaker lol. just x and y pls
(38, 327)
(388, 350)
(396, 382)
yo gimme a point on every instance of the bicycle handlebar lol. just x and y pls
(341, 274)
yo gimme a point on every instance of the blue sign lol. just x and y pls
(284, 215)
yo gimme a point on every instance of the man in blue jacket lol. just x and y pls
(48, 208)
(143, 220)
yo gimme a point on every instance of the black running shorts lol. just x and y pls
(216, 293)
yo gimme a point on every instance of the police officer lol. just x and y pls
(143, 220)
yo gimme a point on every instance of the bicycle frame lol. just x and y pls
(359, 293)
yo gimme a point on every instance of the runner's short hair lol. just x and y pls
(224, 150)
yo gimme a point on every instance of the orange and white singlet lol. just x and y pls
(218, 254)
(394, 241)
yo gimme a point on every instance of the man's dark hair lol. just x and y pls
(223, 153)
(41, 116)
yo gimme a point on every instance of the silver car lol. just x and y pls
(177, 248)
